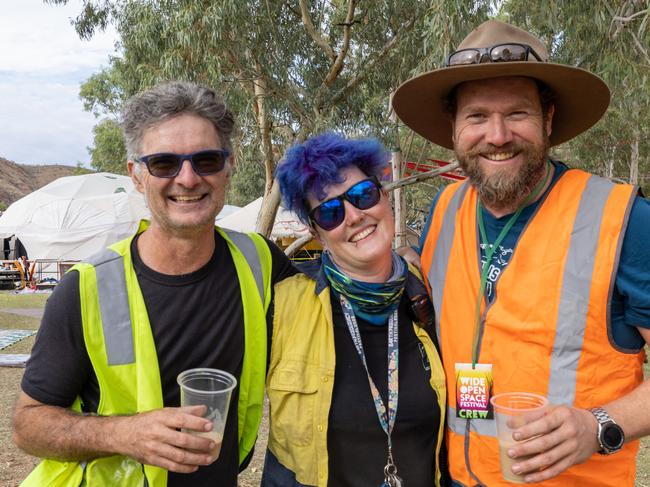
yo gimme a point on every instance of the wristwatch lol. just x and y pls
(610, 435)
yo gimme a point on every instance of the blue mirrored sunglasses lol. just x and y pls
(331, 213)
(168, 164)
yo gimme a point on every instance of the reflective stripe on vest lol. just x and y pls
(114, 299)
(572, 315)
(443, 249)
(247, 247)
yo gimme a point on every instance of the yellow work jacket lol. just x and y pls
(301, 379)
(547, 330)
(120, 344)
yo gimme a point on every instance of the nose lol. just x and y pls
(498, 132)
(353, 214)
(186, 176)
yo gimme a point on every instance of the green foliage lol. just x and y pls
(287, 73)
(3, 206)
(291, 69)
(109, 151)
(611, 39)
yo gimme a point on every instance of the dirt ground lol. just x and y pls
(23, 312)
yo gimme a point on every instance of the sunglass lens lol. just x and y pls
(466, 56)
(363, 195)
(163, 165)
(508, 53)
(329, 215)
(209, 162)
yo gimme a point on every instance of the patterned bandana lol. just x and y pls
(371, 301)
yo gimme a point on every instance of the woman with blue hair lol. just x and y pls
(355, 383)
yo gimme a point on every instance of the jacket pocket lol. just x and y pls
(292, 394)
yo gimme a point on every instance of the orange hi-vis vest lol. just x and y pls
(547, 329)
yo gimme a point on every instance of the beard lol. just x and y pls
(505, 188)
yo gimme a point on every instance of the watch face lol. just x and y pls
(612, 436)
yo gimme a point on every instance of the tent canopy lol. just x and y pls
(74, 217)
(287, 224)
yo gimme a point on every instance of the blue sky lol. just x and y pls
(42, 64)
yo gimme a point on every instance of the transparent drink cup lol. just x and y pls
(511, 411)
(211, 388)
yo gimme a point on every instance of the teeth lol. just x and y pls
(186, 198)
(363, 234)
(499, 156)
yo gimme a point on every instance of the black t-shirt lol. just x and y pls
(356, 443)
(196, 321)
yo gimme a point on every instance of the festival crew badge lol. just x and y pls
(473, 391)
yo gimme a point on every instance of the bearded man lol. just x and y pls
(539, 274)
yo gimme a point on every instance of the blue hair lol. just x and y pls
(309, 167)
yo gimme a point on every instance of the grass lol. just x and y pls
(9, 299)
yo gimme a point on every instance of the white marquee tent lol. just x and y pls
(74, 217)
(287, 224)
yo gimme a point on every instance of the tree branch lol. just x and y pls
(370, 64)
(297, 244)
(421, 177)
(631, 17)
(340, 58)
(640, 48)
(311, 30)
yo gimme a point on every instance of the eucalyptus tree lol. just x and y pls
(288, 68)
(611, 39)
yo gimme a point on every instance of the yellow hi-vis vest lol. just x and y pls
(120, 344)
(548, 329)
(301, 379)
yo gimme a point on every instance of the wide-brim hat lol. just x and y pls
(581, 97)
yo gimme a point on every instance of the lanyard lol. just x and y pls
(492, 248)
(387, 422)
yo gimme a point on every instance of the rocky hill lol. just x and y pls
(18, 180)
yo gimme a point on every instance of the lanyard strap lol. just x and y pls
(492, 248)
(386, 422)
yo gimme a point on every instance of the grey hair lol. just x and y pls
(168, 100)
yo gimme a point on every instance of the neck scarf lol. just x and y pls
(371, 301)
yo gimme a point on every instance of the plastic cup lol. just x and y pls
(211, 388)
(511, 411)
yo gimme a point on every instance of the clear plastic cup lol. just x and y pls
(511, 411)
(211, 388)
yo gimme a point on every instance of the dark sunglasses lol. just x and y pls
(168, 164)
(331, 213)
(500, 53)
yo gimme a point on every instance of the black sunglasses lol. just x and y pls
(168, 164)
(331, 213)
(499, 53)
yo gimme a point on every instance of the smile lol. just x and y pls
(187, 199)
(499, 156)
(363, 234)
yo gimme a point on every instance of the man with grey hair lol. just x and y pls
(99, 396)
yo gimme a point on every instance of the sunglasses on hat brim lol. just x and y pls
(499, 53)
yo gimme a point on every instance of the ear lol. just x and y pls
(135, 172)
(316, 235)
(548, 120)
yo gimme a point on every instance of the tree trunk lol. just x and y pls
(270, 204)
(398, 200)
(271, 201)
(634, 159)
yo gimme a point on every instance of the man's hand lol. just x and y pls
(564, 437)
(153, 438)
